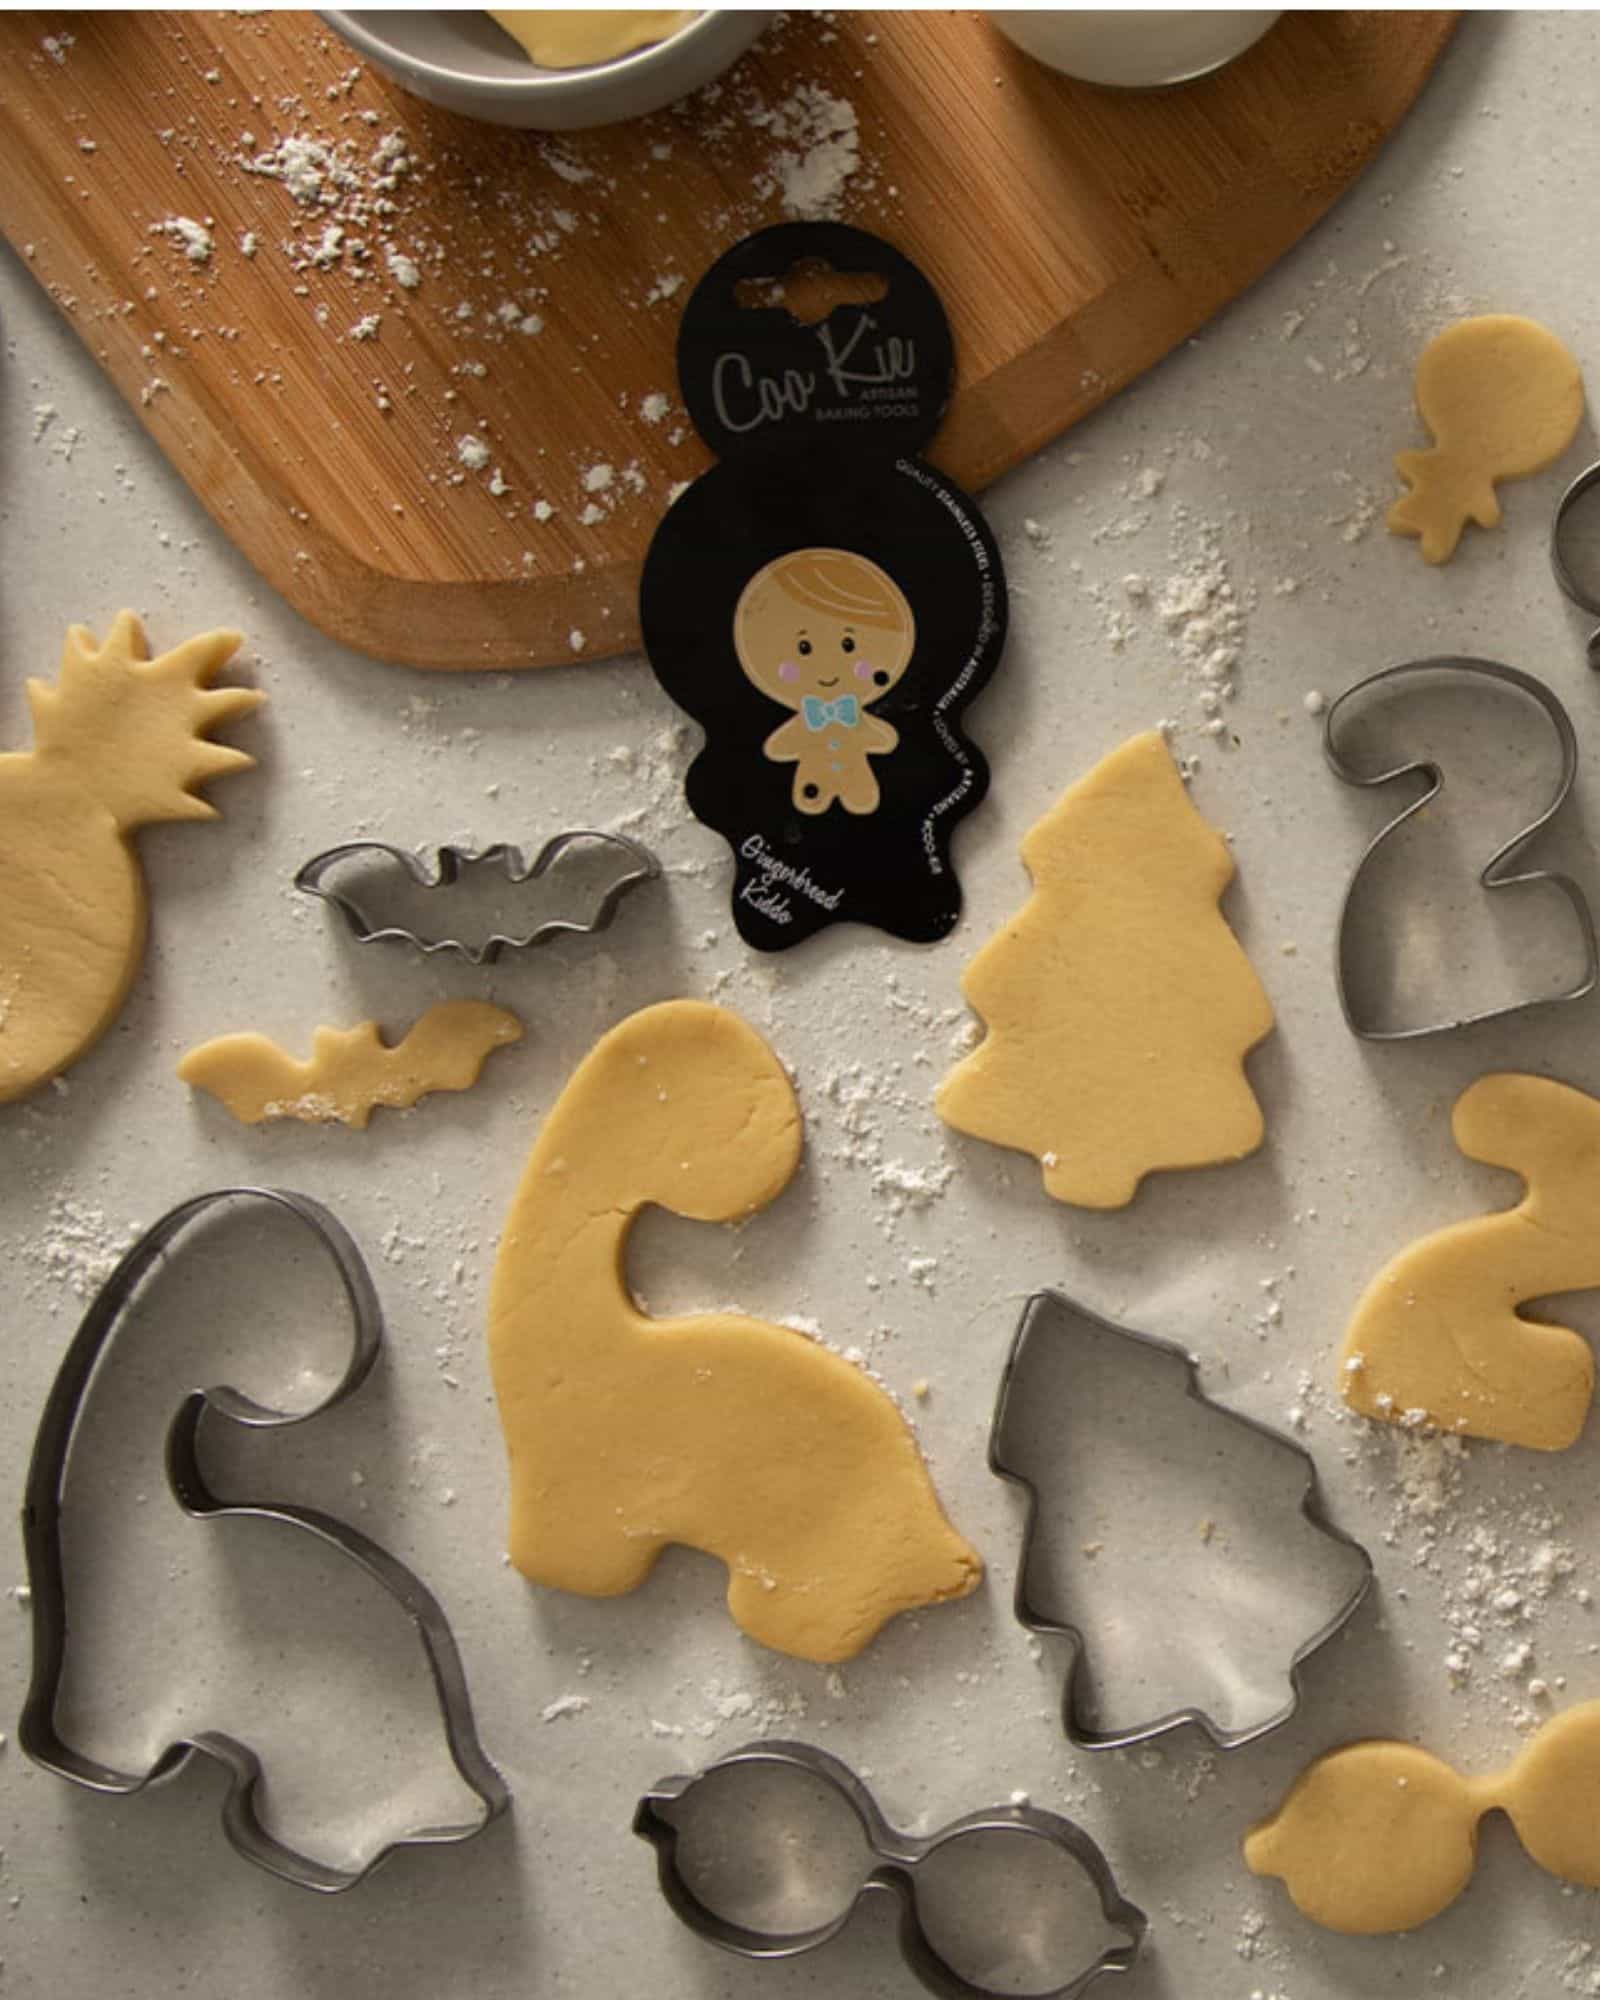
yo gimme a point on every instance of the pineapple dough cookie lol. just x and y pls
(1119, 1005)
(119, 743)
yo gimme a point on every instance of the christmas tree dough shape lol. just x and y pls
(119, 742)
(1119, 1005)
(1379, 1836)
(1503, 397)
(747, 1440)
(1437, 1336)
(351, 1071)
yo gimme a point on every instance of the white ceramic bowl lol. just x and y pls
(1144, 48)
(460, 59)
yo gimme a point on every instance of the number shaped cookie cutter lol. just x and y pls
(1057, 1333)
(446, 865)
(1565, 574)
(895, 1859)
(1498, 872)
(37, 1730)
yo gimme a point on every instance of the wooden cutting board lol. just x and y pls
(464, 470)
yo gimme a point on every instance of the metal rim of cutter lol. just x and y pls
(896, 1856)
(41, 1534)
(1491, 875)
(1027, 1613)
(1564, 573)
(444, 867)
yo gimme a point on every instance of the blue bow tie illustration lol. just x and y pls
(819, 714)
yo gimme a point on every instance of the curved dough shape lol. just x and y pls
(750, 1441)
(351, 1071)
(1381, 1836)
(1437, 1337)
(1120, 1007)
(119, 742)
(1502, 397)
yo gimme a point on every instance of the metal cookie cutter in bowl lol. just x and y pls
(1197, 1599)
(449, 865)
(42, 1515)
(1500, 871)
(769, 1851)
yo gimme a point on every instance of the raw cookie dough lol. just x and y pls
(1502, 397)
(753, 1442)
(1437, 1337)
(1381, 1837)
(119, 743)
(572, 38)
(351, 1071)
(1119, 1005)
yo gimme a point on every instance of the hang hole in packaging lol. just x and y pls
(823, 602)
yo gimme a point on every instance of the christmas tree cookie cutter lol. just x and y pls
(950, 1954)
(1500, 871)
(1210, 1617)
(450, 864)
(38, 1730)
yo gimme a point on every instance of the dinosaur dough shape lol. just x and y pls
(1437, 1336)
(1502, 397)
(351, 1070)
(1120, 1007)
(749, 1441)
(119, 742)
(1381, 1836)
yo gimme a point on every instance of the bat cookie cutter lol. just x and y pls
(38, 1730)
(951, 1955)
(1561, 529)
(1202, 1604)
(448, 865)
(1500, 871)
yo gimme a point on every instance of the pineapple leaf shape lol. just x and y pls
(121, 740)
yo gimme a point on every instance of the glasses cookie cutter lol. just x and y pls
(37, 1729)
(895, 1858)
(1495, 873)
(1077, 1718)
(1565, 575)
(447, 864)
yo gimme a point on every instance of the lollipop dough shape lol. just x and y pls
(1502, 397)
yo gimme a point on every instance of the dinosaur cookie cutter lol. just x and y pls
(37, 1729)
(1075, 1384)
(449, 864)
(1561, 552)
(1500, 871)
(910, 1867)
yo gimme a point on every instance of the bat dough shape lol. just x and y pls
(1119, 1005)
(119, 743)
(750, 1441)
(1381, 1836)
(1503, 397)
(352, 1070)
(1437, 1337)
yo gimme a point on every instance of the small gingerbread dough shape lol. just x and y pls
(351, 1071)
(119, 743)
(1437, 1336)
(1503, 397)
(749, 1441)
(1119, 1005)
(1380, 1836)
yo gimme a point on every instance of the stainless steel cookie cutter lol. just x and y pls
(1560, 562)
(892, 1868)
(447, 864)
(1027, 1434)
(1497, 871)
(41, 1533)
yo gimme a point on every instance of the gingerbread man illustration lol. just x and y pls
(826, 633)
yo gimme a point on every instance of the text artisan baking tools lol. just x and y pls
(42, 1525)
(769, 1851)
(1498, 872)
(1380, 1836)
(449, 865)
(1565, 560)
(824, 603)
(1182, 1548)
